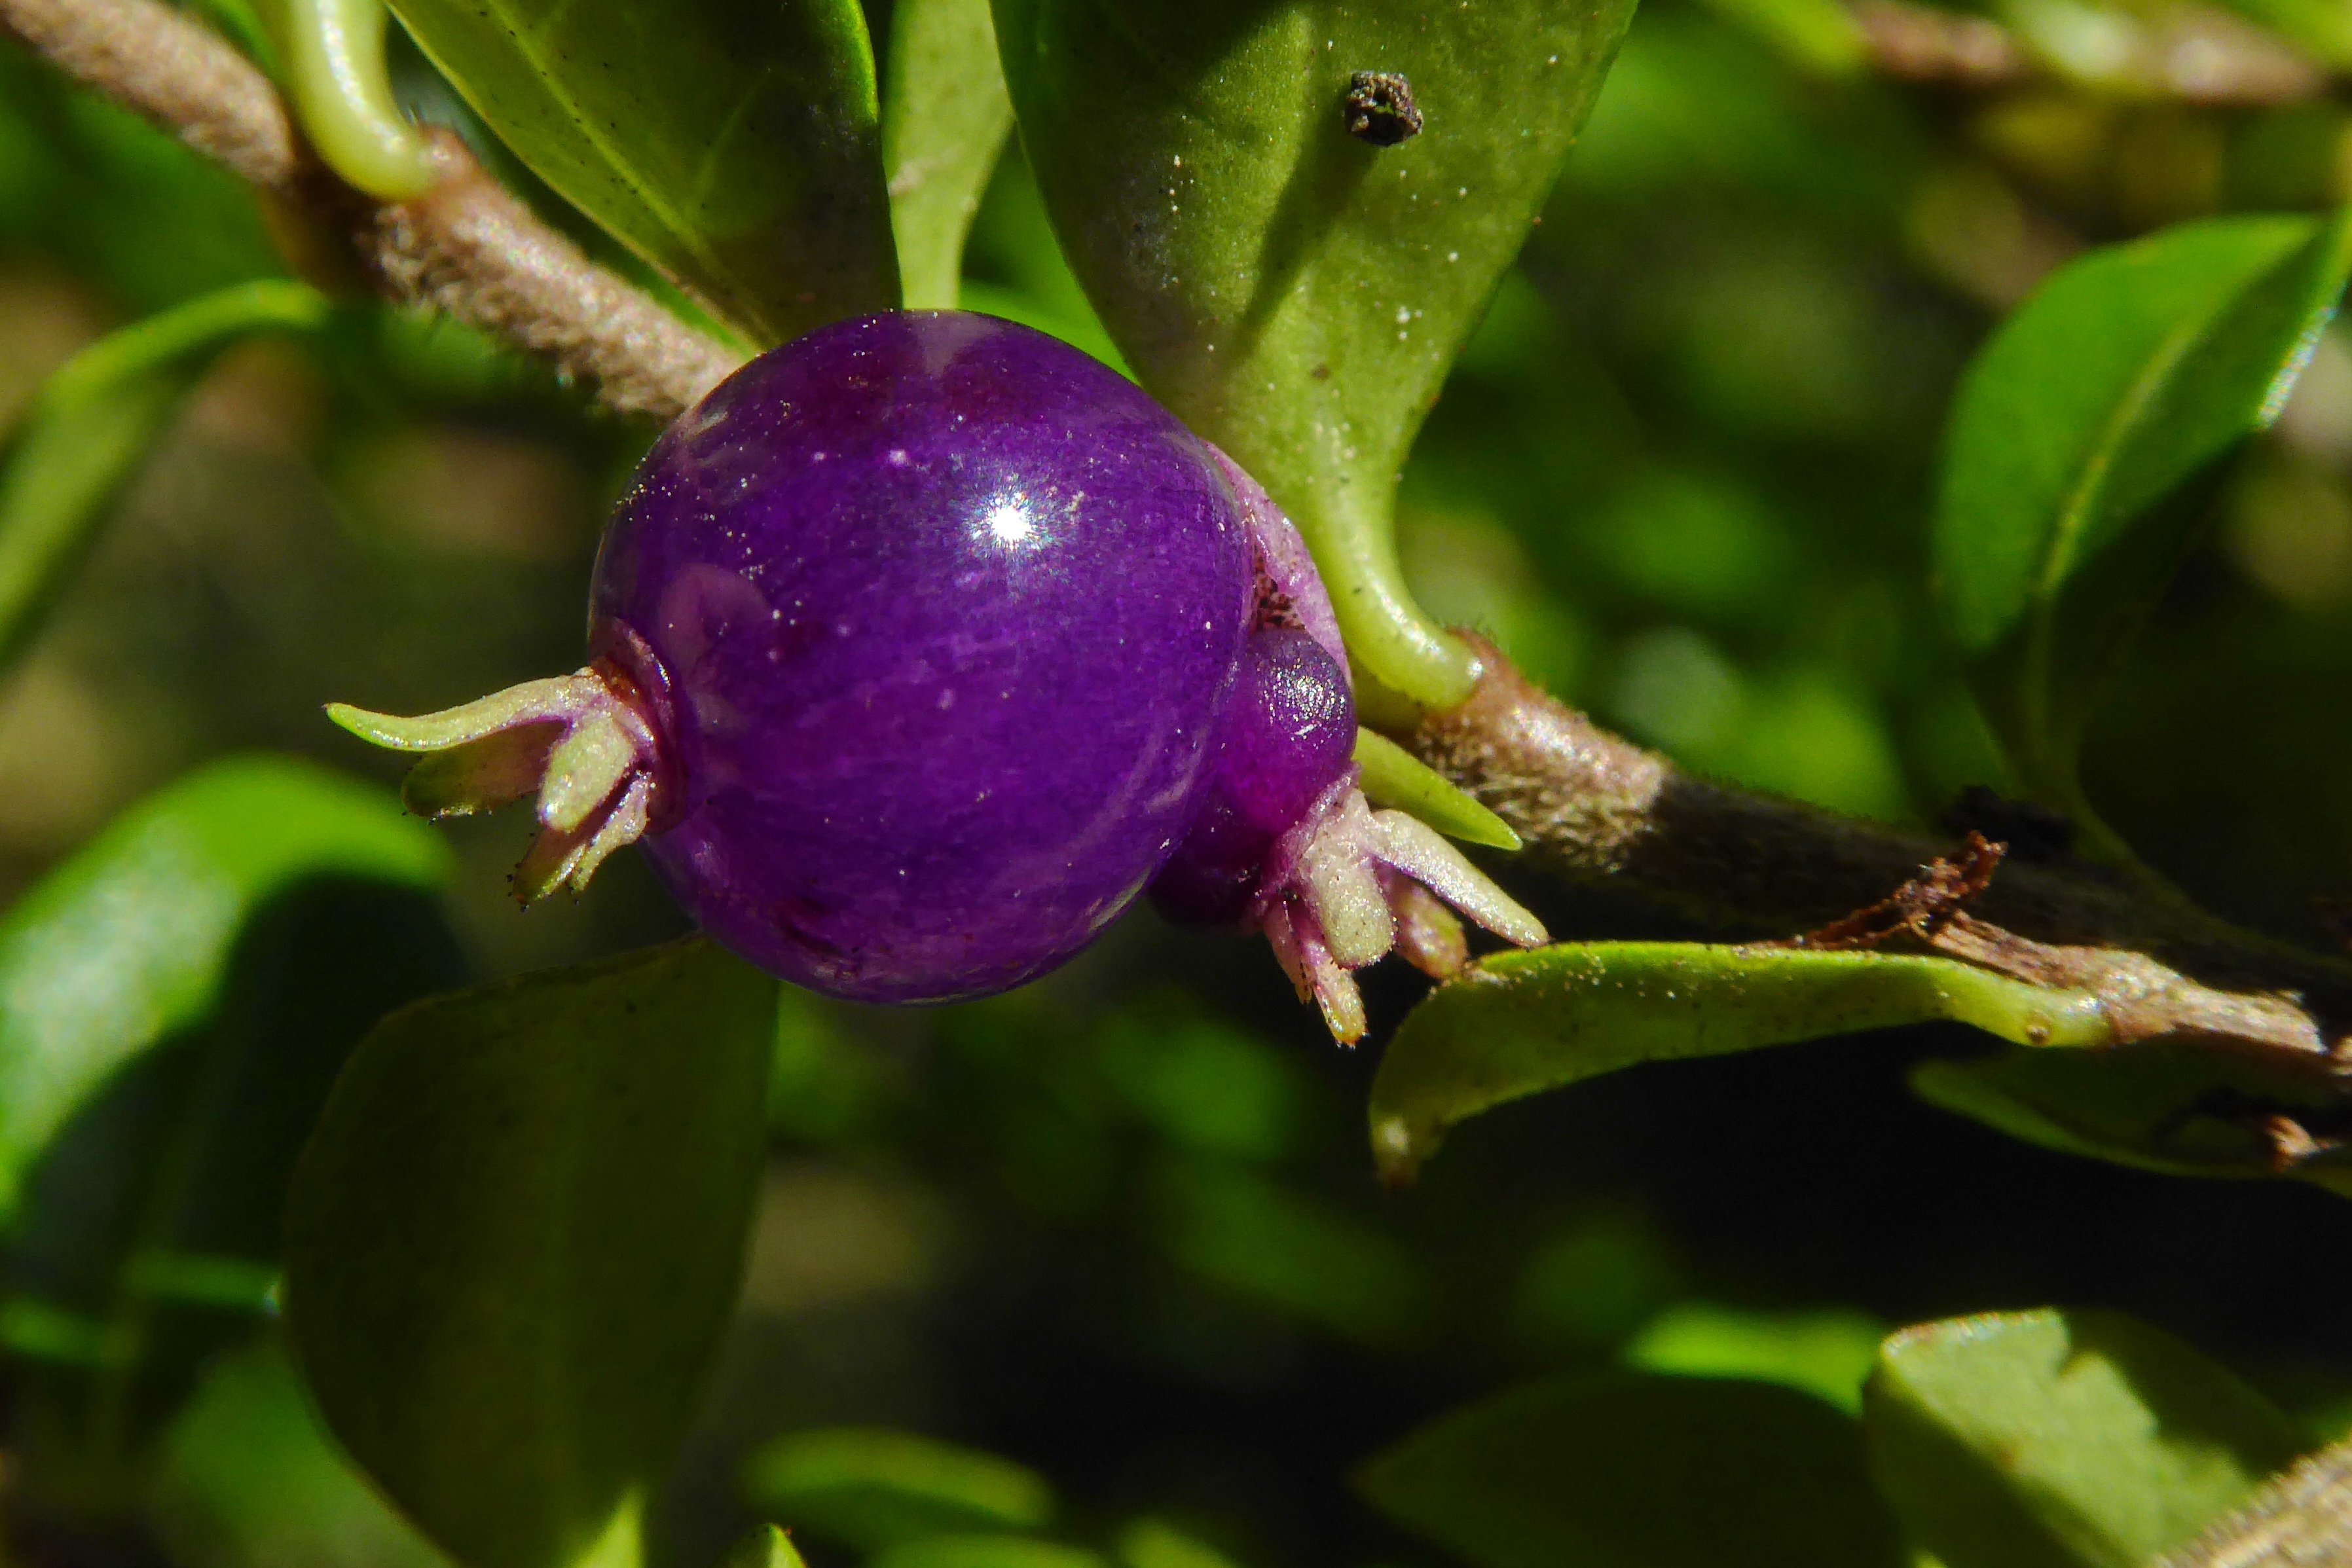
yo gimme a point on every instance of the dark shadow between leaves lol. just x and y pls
(149, 1236)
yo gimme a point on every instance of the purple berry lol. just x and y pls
(1285, 742)
(920, 647)
(936, 615)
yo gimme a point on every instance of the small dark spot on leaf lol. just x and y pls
(1321, 372)
(1380, 108)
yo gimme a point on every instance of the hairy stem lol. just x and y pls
(466, 245)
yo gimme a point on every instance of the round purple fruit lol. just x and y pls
(919, 650)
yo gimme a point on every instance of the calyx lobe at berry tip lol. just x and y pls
(1338, 885)
(583, 741)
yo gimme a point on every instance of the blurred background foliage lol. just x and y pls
(1121, 1228)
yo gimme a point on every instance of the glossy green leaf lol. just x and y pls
(2062, 1439)
(872, 1487)
(2176, 1108)
(93, 424)
(945, 116)
(1627, 1470)
(515, 1237)
(1517, 1023)
(2069, 489)
(1293, 294)
(1395, 777)
(734, 145)
(986, 1551)
(127, 943)
(767, 1547)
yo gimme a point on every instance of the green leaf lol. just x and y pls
(515, 1237)
(1517, 1023)
(95, 421)
(2322, 27)
(986, 1551)
(733, 144)
(1824, 1353)
(128, 944)
(766, 1547)
(124, 205)
(1293, 1255)
(1295, 295)
(2069, 489)
(1155, 1543)
(174, 1002)
(945, 116)
(1395, 777)
(1625, 1470)
(250, 1480)
(1819, 35)
(2062, 1439)
(872, 1488)
(2178, 1108)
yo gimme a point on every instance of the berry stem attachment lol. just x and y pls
(581, 741)
(1351, 528)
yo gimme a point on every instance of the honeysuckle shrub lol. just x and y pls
(1849, 426)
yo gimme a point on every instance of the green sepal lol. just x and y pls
(1396, 778)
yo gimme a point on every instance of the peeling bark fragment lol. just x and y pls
(1920, 907)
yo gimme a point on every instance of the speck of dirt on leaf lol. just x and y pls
(1378, 108)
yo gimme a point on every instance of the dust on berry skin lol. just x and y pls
(920, 647)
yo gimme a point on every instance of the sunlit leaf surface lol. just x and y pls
(2062, 1439)
(1292, 292)
(2069, 489)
